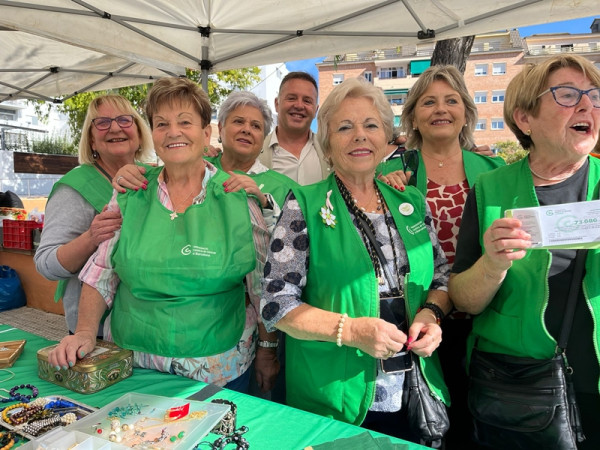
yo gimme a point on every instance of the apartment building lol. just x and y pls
(494, 60)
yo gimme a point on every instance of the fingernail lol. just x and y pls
(408, 348)
(396, 186)
(57, 367)
(144, 186)
(224, 183)
(64, 367)
(410, 340)
(123, 191)
(81, 354)
(226, 190)
(136, 189)
(402, 188)
(70, 363)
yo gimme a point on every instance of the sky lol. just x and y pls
(575, 26)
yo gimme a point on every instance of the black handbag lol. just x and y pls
(525, 403)
(427, 414)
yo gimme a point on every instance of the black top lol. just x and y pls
(580, 347)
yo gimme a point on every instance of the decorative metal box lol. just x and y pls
(106, 365)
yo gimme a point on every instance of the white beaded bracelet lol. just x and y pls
(338, 341)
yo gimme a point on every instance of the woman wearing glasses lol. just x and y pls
(519, 294)
(113, 134)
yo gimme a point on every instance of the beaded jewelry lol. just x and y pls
(23, 397)
(340, 329)
(235, 438)
(7, 440)
(227, 424)
(5, 417)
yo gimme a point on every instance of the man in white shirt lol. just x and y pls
(291, 149)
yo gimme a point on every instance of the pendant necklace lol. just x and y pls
(544, 178)
(442, 162)
(174, 214)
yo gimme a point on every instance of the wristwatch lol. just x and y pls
(268, 344)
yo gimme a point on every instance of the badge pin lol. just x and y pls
(406, 209)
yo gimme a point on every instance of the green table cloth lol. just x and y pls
(271, 425)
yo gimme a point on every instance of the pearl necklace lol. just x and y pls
(544, 178)
(374, 211)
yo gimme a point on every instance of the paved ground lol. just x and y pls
(51, 326)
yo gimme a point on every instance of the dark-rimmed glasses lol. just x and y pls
(571, 96)
(104, 123)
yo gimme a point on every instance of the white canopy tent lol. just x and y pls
(214, 35)
(38, 68)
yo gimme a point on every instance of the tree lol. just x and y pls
(453, 51)
(220, 84)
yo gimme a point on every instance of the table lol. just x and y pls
(271, 425)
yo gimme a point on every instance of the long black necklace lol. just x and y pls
(359, 213)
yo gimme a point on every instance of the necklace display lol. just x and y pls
(544, 178)
(440, 162)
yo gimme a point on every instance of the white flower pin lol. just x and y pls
(327, 212)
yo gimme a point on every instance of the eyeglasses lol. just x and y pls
(104, 123)
(571, 96)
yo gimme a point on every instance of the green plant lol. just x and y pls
(54, 145)
(510, 151)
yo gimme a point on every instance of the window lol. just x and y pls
(497, 124)
(397, 99)
(368, 76)
(481, 70)
(480, 125)
(480, 97)
(8, 114)
(338, 78)
(388, 72)
(498, 96)
(499, 69)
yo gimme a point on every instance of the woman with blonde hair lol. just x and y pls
(76, 222)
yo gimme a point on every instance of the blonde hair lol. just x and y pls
(352, 88)
(524, 89)
(123, 105)
(450, 75)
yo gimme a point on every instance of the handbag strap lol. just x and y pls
(380, 255)
(567, 323)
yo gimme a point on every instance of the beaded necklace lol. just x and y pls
(359, 213)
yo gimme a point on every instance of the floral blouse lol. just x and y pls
(288, 263)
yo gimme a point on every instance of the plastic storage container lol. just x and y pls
(19, 233)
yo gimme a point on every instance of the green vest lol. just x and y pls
(94, 188)
(269, 182)
(181, 292)
(513, 323)
(340, 382)
(473, 163)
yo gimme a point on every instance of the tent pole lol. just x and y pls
(204, 68)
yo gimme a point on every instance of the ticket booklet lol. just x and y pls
(568, 225)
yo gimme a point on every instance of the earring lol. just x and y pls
(95, 154)
(415, 129)
(527, 133)
(205, 150)
(465, 125)
(219, 140)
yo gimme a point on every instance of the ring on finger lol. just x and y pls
(118, 180)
